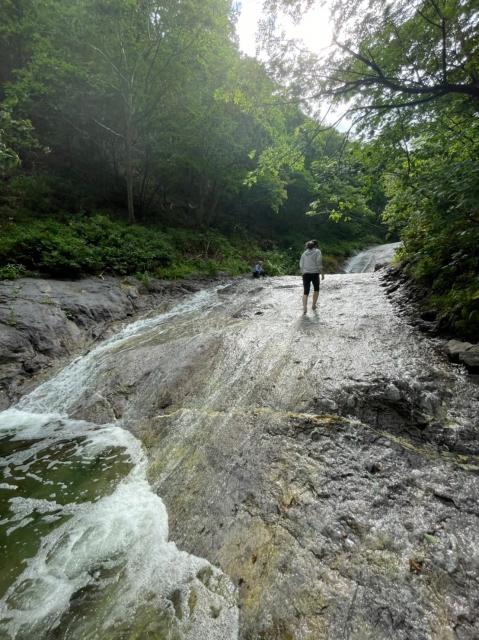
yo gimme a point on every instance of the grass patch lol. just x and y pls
(12, 271)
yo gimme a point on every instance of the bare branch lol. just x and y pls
(444, 50)
(110, 61)
(439, 14)
(369, 63)
(427, 19)
(104, 126)
(397, 105)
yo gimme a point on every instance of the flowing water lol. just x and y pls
(327, 462)
(83, 536)
(367, 260)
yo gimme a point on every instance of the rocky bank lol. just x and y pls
(409, 300)
(43, 322)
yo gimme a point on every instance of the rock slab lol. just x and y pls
(327, 463)
(42, 321)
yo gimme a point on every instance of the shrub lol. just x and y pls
(48, 247)
(12, 271)
(77, 246)
(87, 246)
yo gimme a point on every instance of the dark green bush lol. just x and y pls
(433, 204)
(87, 246)
(12, 271)
(71, 248)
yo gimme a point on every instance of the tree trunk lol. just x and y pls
(211, 213)
(129, 179)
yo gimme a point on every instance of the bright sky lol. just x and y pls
(314, 29)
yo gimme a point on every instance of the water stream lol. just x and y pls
(327, 462)
(83, 536)
(366, 261)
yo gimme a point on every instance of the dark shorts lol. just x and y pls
(309, 278)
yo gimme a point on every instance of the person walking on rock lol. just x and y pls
(311, 265)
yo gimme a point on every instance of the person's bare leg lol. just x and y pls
(305, 304)
(315, 299)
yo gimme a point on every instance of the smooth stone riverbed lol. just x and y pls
(327, 464)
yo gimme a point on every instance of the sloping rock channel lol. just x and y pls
(328, 464)
(44, 321)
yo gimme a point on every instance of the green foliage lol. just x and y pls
(12, 271)
(148, 110)
(149, 107)
(95, 245)
(433, 203)
(276, 263)
(15, 135)
(91, 245)
(151, 99)
(386, 57)
(346, 185)
(39, 193)
(202, 254)
(459, 307)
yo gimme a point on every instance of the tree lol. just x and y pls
(108, 76)
(388, 57)
(148, 107)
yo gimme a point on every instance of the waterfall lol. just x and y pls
(368, 259)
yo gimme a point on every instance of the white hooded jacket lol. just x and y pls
(311, 261)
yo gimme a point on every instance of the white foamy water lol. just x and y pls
(367, 260)
(61, 392)
(86, 537)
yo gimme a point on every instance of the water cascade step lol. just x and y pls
(368, 259)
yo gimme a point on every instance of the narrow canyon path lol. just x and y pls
(320, 475)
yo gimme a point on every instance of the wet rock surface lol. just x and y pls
(44, 320)
(328, 464)
(373, 259)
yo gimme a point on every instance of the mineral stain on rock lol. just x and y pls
(327, 464)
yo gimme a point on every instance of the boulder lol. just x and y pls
(429, 315)
(455, 348)
(464, 353)
(470, 358)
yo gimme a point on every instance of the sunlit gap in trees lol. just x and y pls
(313, 33)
